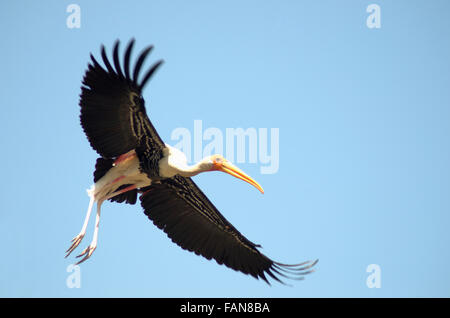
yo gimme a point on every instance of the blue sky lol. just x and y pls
(364, 123)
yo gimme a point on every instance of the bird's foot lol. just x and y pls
(87, 253)
(75, 242)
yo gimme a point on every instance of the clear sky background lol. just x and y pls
(364, 121)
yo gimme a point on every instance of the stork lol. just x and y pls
(134, 161)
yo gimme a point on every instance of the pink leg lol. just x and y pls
(91, 248)
(87, 252)
(77, 239)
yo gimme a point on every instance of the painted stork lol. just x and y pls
(135, 161)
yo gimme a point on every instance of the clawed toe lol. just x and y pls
(75, 242)
(87, 252)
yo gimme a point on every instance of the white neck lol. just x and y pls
(190, 171)
(174, 162)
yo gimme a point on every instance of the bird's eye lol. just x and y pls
(218, 160)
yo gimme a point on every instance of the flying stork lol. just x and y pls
(134, 161)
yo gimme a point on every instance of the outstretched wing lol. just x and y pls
(184, 213)
(113, 114)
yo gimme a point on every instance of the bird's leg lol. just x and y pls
(104, 190)
(77, 239)
(87, 252)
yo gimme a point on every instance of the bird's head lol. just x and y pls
(219, 163)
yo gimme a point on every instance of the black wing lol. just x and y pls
(113, 114)
(184, 213)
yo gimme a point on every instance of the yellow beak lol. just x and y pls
(231, 169)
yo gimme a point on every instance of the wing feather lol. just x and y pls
(184, 213)
(116, 59)
(139, 63)
(126, 59)
(113, 113)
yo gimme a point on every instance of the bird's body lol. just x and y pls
(136, 162)
(125, 172)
